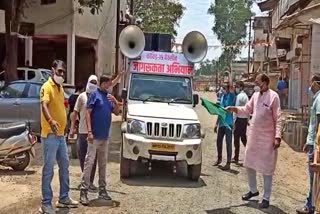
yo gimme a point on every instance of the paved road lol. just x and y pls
(217, 192)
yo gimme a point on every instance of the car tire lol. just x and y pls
(125, 165)
(74, 151)
(23, 164)
(194, 172)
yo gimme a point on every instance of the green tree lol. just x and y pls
(158, 15)
(13, 14)
(207, 68)
(231, 17)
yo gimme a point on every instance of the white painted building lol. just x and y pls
(85, 41)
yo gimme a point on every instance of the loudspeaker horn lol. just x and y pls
(194, 47)
(132, 41)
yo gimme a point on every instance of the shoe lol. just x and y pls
(84, 198)
(236, 161)
(304, 210)
(249, 195)
(46, 209)
(264, 204)
(226, 167)
(104, 195)
(93, 188)
(217, 163)
(67, 203)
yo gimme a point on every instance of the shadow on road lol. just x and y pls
(252, 204)
(103, 203)
(162, 175)
(10, 172)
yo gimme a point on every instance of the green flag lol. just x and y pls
(215, 109)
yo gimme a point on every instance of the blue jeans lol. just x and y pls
(82, 145)
(224, 131)
(54, 148)
(308, 202)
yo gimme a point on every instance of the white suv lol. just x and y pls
(33, 74)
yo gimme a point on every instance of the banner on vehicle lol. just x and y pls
(162, 63)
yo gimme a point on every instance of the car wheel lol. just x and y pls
(194, 172)
(74, 151)
(23, 163)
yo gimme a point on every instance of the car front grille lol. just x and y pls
(164, 130)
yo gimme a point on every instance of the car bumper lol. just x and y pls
(135, 147)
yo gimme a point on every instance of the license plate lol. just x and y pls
(163, 147)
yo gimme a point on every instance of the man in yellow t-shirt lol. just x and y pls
(53, 123)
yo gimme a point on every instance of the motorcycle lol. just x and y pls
(16, 145)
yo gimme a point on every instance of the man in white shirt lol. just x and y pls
(241, 121)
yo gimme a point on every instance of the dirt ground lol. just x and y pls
(217, 192)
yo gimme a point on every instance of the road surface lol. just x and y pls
(217, 192)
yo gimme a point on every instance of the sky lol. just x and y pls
(196, 18)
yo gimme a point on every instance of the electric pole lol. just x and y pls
(249, 45)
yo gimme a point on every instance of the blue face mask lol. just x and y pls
(310, 91)
(238, 91)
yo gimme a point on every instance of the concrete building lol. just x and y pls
(238, 69)
(295, 31)
(85, 41)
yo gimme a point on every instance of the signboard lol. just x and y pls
(161, 63)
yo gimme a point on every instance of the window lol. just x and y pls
(14, 90)
(21, 74)
(44, 2)
(45, 74)
(34, 91)
(159, 88)
(31, 75)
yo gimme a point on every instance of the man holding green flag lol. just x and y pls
(224, 123)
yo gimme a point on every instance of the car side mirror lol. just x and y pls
(124, 93)
(195, 100)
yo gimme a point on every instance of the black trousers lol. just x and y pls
(224, 131)
(240, 132)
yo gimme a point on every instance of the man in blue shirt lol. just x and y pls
(311, 140)
(281, 85)
(100, 106)
(224, 128)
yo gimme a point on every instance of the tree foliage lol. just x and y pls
(158, 15)
(207, 68)
(231, 17)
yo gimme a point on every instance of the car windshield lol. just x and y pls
(160, 88)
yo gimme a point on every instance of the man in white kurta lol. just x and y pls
(264, 137)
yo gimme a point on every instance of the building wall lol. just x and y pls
(103, 28)
(237, 69)
(54, 18)
(2, 25)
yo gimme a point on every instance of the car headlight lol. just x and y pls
(136, 127)
(192, 131)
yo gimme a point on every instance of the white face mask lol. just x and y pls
(58, 79)
(256, 88)
(110, 89)
(91, 87)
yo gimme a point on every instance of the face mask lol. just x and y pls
(109, 90)
(256, 88)
(223, 91)
(58, 79)
(91, 87)
(238, 90)
(310, 90)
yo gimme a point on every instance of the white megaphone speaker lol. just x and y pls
(194, 47)
(132, 41)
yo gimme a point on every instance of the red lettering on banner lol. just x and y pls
(176, 68)
(148, 67)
